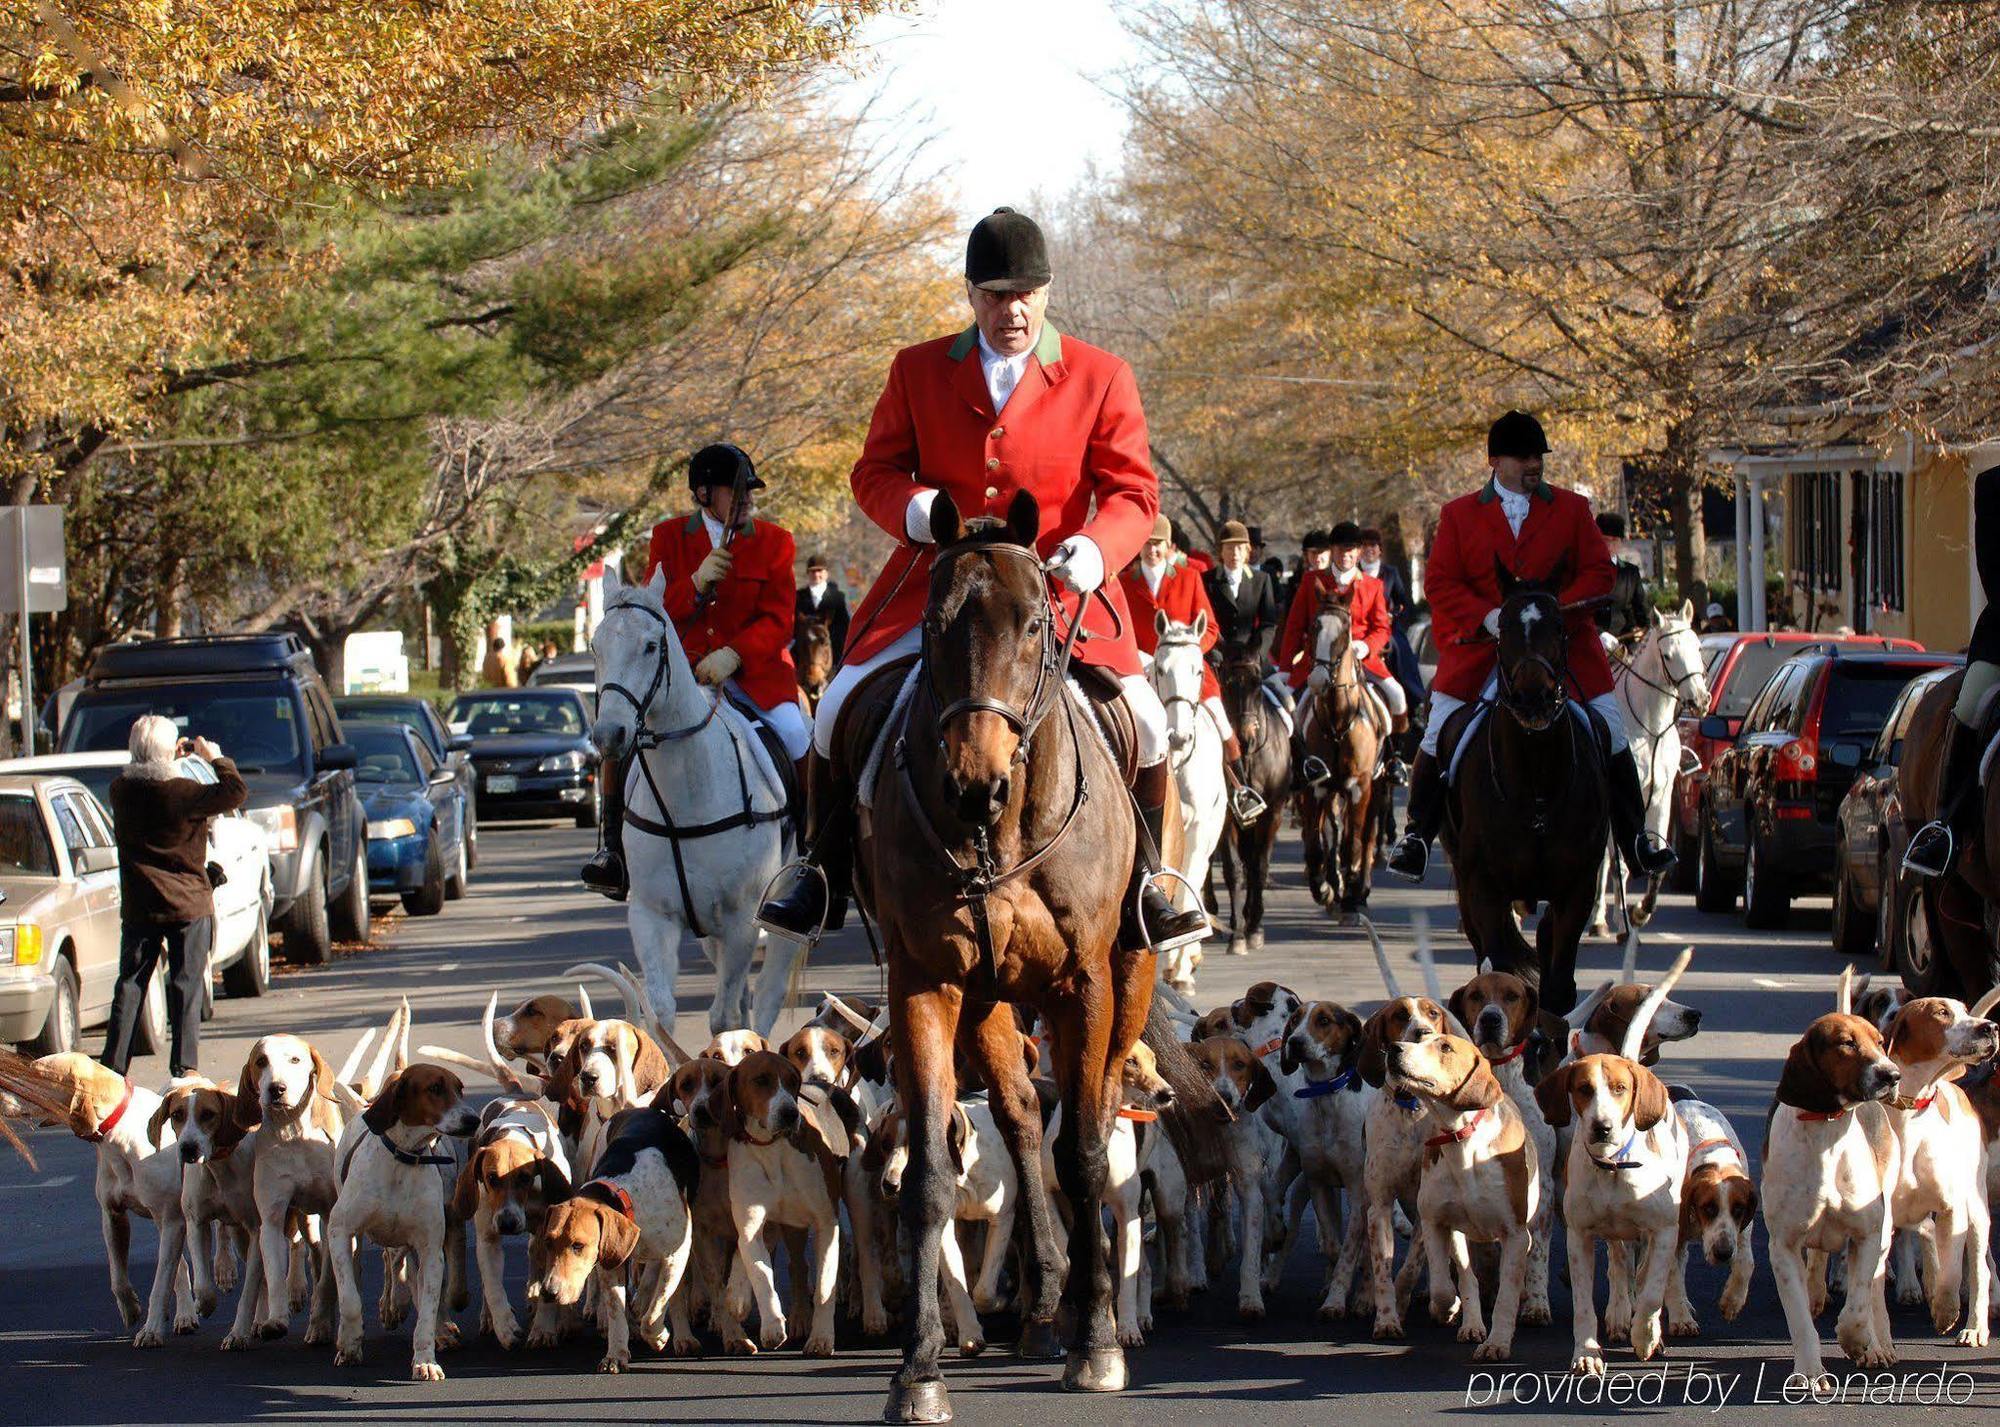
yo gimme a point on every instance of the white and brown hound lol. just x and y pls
(1718, 1213)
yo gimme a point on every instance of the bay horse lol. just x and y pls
(1528, 810)
(1267, 767)
(812, 657)
(1961, 910)
(1337, 726)
(995, 857)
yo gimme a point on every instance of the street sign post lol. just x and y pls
(33, 580)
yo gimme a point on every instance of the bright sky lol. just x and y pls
(943, 69)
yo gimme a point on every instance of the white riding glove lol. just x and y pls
(717, 665)
(1359, 650)
(1078, 563)
(713, 567)
(917, 517)
(1492, 623)
(1608, 640)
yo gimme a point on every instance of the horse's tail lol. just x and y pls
(1197, 1114)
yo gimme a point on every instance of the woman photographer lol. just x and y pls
(160, 818)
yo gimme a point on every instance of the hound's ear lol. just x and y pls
(1553, 1096)
(961, 1136)
(465, 1194)
(229, 1134)
(158, 1122)
(322, 1073)
(1803, 1086)
(947, 527)
(1350, 1025)
(1262, 1086)
(249, 1109)
(1024, 518)
(387, 1107)
(1649, 1099)
(1456, 1003)
(729, 1115)
(1372, 1058)
(1285, 1061)
(1031, 1056)
(617, 1236)
(881, 1140)
(1534, 1004)
(649, 1063)
(555, 1184)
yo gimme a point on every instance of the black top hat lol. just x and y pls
(1516, 434)
(1344, 534)
(1006, 253)
(717, 465)
(1611, 524)
(1313, 540)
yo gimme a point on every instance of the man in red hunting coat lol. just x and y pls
(1527, 525)
(1368, 631)
(729, 595)
(1007, 405)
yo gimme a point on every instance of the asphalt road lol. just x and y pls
(65, 1360)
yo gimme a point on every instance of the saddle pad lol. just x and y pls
(1378, 711)
(1284, 714)
(778, 770)
(871, 773)
(1989, 705)
(1456, 736)
(1112, 718)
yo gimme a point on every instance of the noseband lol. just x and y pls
(1557, 669)
(645, 736)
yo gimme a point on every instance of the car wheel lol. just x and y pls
(471, 837)
(1889, 918)
(63, 1029)
(308, 938)
(1922, 966)
(1853, 933)
(1767, 902)
(593, 811)
(1712, 892)
(349, 916)
(456, 884)
(428, 900)
(149, 1037)
(250, 973)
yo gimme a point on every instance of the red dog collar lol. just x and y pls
(617, 1192)
(1270, 1045)
(110, 1121)
(1144, 1117)
(1512, 1053)
(1817, 1115)
(1459, 1135)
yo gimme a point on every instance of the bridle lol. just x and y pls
(1557, 667)
(645, 735)
(1252, 678)
(1172, 701)
(1684, 701)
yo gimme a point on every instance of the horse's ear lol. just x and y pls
(658, 583)
(946, 524)
(1161, 623)
(1687, 611)
(1200, 625)
(1504, 577)
(1024, 518)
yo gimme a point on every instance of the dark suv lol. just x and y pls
(1771, 802)
(260, 698)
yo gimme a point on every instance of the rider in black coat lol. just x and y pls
(1630, 611)
(827, 602)
(1936, 843)
(1246, 617)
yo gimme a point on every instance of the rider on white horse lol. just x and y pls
(729, 595)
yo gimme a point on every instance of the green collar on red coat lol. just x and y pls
(749, 527)
(1048, 347)
(1542, 491)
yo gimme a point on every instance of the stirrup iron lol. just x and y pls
(1246, 804)
(1152, 880)
(1936, 827)
(803, 867)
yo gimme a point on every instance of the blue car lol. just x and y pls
(416, 819)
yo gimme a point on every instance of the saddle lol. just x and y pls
(1453, 738)
(788, 773)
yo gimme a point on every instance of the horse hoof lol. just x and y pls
(918, 1402)
(1095, 1370)
(1238, 947)
(1256, 940)
(1038, 1340)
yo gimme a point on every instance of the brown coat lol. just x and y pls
(162, 829)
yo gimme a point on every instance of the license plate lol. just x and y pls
(502, 783)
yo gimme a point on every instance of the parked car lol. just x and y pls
(566, 671)
(416, 819)
(1770, 803)
(1737, 666)
(260, 699)
(533, 752)
(448, 749)
(240, 947)
(59, 918)
(1870, 836)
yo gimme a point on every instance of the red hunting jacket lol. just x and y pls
(1463, 585)
(1370, 609)
(750, 611)
(1182, 596)
(1072, 433)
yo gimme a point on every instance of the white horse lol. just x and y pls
(1663, 680)
(699, 771)
(1194, 743)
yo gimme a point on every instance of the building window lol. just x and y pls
(1882, 580)
(1816, 529)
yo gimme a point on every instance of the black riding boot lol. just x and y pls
(1628, 818)
(1936, 844)
(1166, 927)
(1412, 855)
(605, 872)
(816, 901)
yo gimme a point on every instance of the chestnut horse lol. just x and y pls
(1336, 818)
(812, 656)
(1961, 910)
(1267, 767)
(1528, 812)
(995, 860)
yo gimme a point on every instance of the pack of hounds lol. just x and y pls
(1434, 1136)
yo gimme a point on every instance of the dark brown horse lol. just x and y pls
(812, 656)
(1529, 809)
(1951, 954)
(1267, 767)
(996, 860)
(1336, 816)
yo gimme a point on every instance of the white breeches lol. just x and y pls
(1398, 702)
(1212, 706)
(1443, 705)
(786, 720)
(1149, 716)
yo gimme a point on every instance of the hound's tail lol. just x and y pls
(1197, 1112)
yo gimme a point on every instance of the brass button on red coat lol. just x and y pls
(992, 463)
(996, 433)
(992, 491)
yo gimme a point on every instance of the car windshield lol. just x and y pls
(1754, 663)
(483, 715)
(255, 724)
(1860, 697)
(407, 715)
(98, 777)
(384, 753)
(24, 841)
